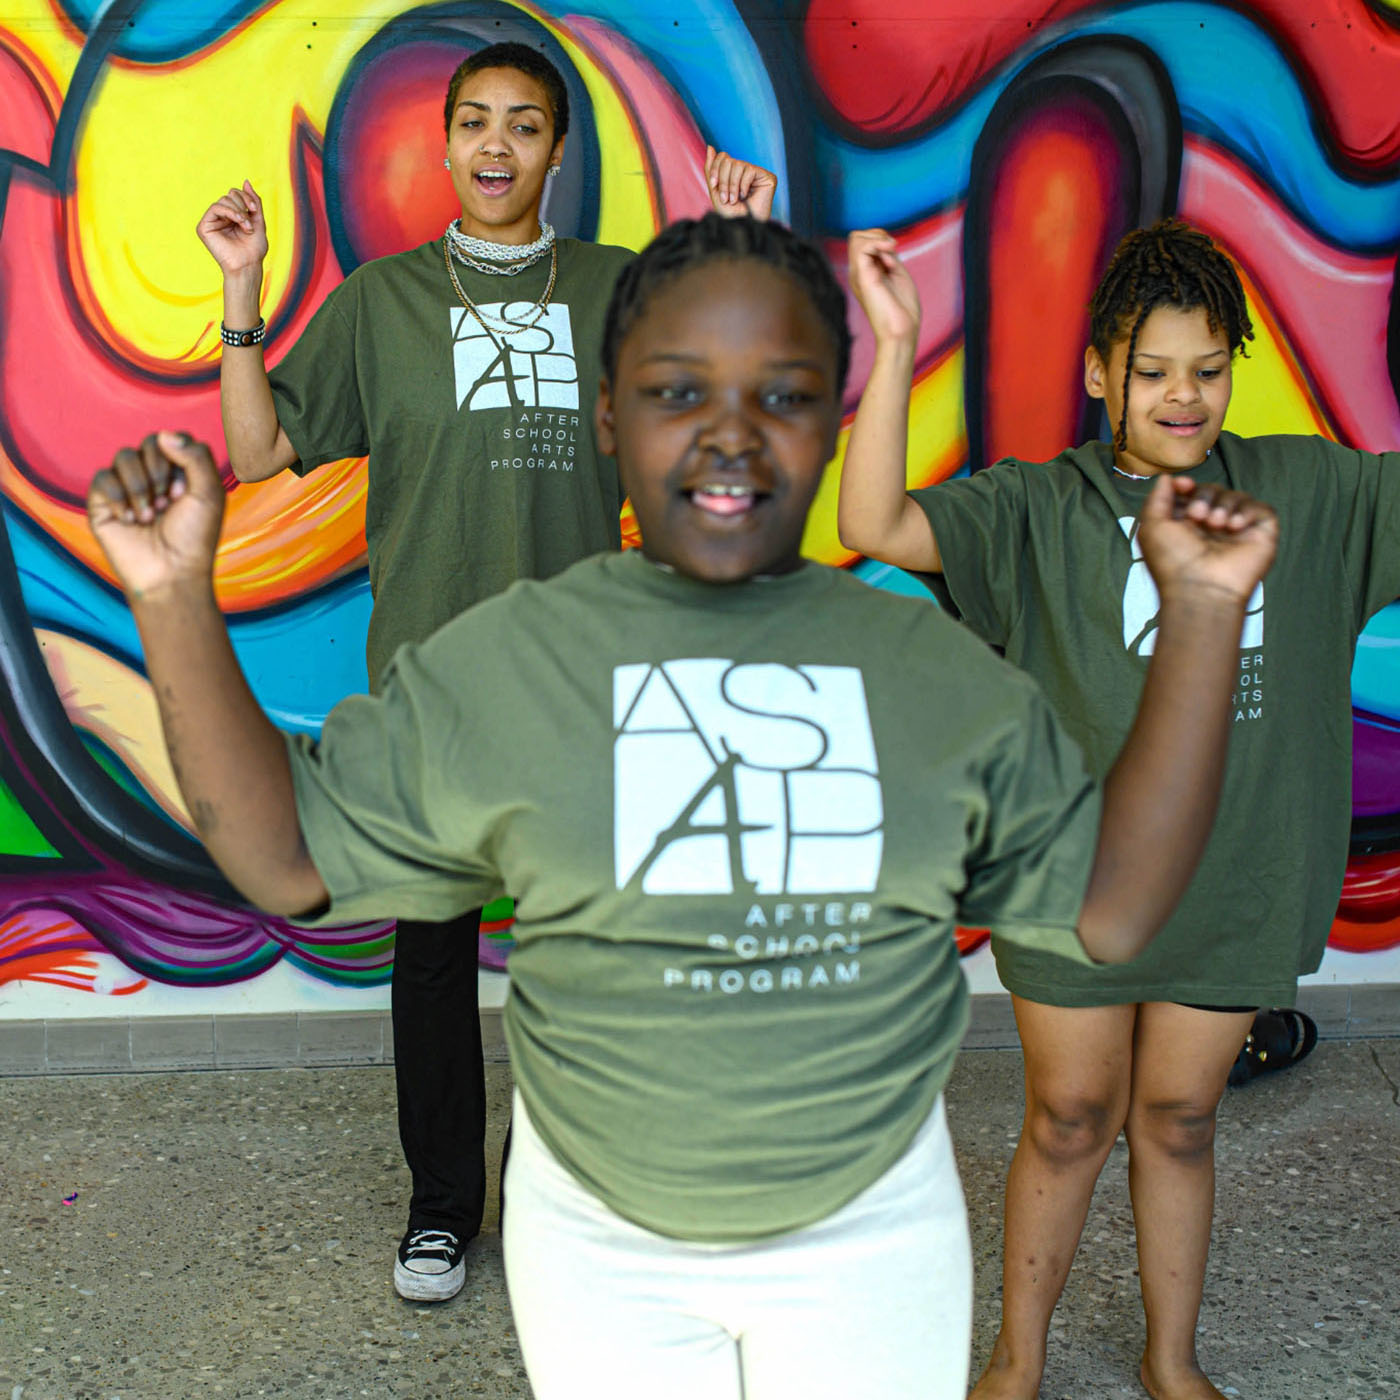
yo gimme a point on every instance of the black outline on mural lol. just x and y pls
(1129, 84)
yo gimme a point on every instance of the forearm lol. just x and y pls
(257, 446)
(874, 514)
(1161, 795)
(230, 761)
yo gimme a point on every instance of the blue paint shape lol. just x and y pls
(890, 579)
(300, 660)
(1375, 672)
(705, 51)
(164, 31)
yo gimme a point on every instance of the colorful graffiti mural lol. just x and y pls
(1007, 146)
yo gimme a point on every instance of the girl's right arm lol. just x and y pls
(156, 513)
(874, 514)
(235, 233)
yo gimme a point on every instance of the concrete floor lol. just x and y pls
(232, 1233)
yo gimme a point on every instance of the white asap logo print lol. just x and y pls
(1141, 603)
(737, 778)
(529, 367)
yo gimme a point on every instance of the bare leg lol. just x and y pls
(1181, 1059)
(1078, 1079)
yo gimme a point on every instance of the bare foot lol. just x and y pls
(1004, 1381)
(1189, 1383)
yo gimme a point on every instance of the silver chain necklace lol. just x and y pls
(1147, 476)
(501, 326)
(498, 259)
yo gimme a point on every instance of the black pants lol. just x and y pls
(439, 1074)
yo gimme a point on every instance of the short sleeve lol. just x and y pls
(1029, 867)
(1369, 484)
(390, 834)
(980, 525)
(316, 388)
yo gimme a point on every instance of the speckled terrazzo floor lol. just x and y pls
(232, 1236)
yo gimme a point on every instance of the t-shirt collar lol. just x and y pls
(1125, 494)
(762, 591)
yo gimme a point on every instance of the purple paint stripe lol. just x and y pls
(154, 928)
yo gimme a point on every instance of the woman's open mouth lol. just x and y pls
(493, 182)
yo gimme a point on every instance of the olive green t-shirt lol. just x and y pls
(1041, 560)
(483, 467)
(740, 823)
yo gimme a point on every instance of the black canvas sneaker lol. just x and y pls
(430, 1267)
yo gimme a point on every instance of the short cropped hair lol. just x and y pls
(523, 59)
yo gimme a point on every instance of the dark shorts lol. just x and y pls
(1231, 1010)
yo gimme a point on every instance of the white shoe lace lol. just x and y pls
(430, 1246)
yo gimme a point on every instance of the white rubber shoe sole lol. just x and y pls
(428, 1288)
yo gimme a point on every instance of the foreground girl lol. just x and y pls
(738, 847)
(1045, 561)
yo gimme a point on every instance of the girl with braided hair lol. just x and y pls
(704, 768)
(1044, 561)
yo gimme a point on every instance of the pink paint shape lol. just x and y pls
(932, 251)
(1332, 305)
(661, 120)
(26, 122)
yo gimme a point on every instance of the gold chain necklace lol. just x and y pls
(505, 327)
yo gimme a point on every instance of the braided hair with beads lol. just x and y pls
(689, 243)
(1169, 264)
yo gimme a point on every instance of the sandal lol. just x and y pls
(1279, 1037)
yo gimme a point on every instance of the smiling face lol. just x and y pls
(1178, 390)
(723, 414)
(500, 144)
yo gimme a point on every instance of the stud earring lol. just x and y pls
(446, 164)
(553, 170)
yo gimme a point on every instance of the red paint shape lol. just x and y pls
(66, 968)
(969, 940)
(1348, 936)
(68, 396)
(1370, 903)
(888, 67)
(1055, 207)
(1331, 304)
(1351, 55)
(386, 164)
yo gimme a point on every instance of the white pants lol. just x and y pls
(872, 1303)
